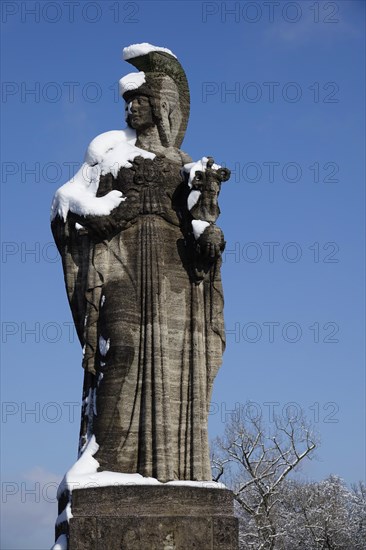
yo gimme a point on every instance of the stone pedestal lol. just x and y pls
(145, 517)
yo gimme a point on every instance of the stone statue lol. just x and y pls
(141, 257)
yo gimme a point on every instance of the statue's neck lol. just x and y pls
(149, 139)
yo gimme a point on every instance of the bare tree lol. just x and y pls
(276, 510)
(254, 461)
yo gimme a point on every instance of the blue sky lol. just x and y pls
(277, 95)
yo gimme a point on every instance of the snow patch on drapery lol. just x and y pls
(104, 345)
(87, 401)
(193, 197)
(65, 515)
(79, 474)
(198, 227)
(61, 543)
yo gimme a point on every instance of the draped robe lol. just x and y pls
(149, 313)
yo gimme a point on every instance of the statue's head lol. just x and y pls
(139, 113)
(158, 95)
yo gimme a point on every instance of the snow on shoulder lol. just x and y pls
(107, 153)
(136, 50)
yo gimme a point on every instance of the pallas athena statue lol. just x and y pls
(141, 252)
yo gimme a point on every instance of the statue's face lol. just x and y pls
(139, 113)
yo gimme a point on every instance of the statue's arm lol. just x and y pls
(96, 227)
(101, 227)
(211, 243)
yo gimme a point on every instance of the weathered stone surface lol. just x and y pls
(151, 500)
(146, 294)
(83, 534)
(153, 518)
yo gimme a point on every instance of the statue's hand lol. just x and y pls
(110, 201)
(211, 243)
(105, 223)
(100, 227)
